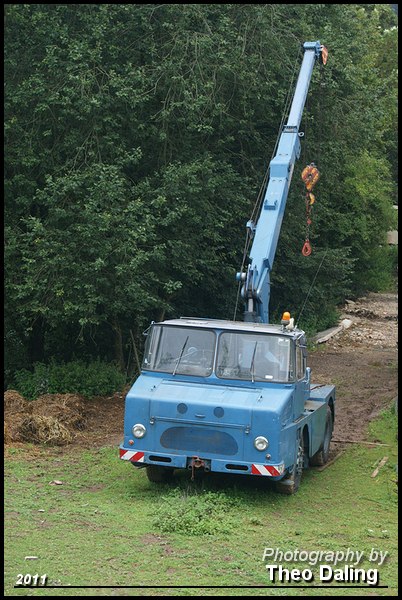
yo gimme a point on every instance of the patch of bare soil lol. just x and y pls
(361, 361)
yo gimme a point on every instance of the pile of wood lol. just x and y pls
(44, 430)
(52, 419)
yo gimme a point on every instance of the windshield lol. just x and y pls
(255, 357)
(179, 350)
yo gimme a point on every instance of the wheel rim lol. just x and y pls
(300, 458)
(326, 436)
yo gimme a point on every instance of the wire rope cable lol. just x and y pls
(285, 113)
(261, 193)
(311, 286)
(320, 112)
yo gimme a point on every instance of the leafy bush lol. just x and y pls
(327, 317)
(31, 385)
(195, 513)
(377, 269)
(94, 379)
(15, 356)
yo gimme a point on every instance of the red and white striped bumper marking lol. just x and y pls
(266, 470)
(130, 455)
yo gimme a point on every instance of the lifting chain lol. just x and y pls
(310, 176)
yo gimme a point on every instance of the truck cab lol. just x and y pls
(229, 397)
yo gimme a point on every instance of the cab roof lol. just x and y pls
(231, 325)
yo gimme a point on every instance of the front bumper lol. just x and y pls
(178, 461)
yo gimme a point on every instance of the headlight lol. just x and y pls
(139, 430)
(261, 443)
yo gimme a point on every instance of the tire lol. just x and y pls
(158, 474)
(320, 458)
(290, 484)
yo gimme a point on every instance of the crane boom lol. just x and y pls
(256, 288)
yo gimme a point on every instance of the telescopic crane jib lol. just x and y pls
(256, 288)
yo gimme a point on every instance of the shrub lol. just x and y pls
(31, 385)
(94, 379)
(376, 270)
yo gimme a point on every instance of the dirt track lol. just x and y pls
(361, 361)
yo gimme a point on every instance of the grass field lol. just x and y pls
(106, 525)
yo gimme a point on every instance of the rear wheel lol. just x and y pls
(158, 474)
(290, 484)
(321, 457)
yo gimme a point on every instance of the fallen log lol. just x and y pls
(360, 442)
(329, 463)
(382, 463)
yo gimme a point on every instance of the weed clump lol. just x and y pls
(195, 513)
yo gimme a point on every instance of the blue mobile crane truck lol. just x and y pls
(229, 396)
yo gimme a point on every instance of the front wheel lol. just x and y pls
(158, 474)
(320, 458)
(290, 484)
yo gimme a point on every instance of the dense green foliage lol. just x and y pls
(75, 377)
(136, 139)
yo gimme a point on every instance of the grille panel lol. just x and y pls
(199, 440)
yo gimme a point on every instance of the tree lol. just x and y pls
(136, 138)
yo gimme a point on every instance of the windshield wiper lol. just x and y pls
(252, 363)
(179, 359)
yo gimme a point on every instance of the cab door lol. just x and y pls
(302, 378)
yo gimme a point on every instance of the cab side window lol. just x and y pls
(300, 363)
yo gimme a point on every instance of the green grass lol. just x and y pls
(107, 525)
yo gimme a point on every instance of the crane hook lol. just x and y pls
(306, 248)
(310, 176)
